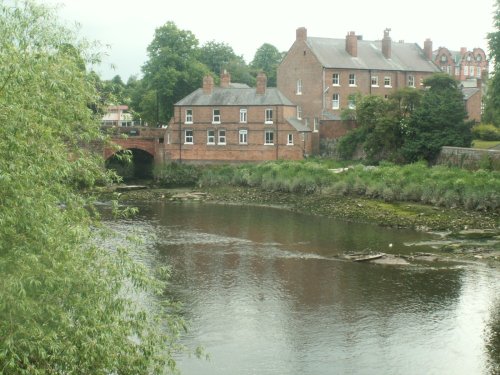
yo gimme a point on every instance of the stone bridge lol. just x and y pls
(145, 139)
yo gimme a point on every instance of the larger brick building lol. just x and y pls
(323, 75)
(236, 123)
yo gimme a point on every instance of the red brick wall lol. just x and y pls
(232, 151)
(335, 129)
(473, 107)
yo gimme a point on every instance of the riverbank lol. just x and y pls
(466, 234)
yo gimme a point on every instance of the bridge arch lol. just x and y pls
(131, 163)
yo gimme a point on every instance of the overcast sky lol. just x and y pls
(128, 26)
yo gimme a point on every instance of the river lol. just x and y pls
(265, 293)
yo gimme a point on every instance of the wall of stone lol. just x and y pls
(470, 158)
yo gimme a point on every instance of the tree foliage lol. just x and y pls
(266, 59)
(492, 108)
(66, 305)
(410, 125)
(172, 71)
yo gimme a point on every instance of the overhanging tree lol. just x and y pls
(66, 305)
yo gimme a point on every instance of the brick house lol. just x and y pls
(236, 123)
(471, 69)
(322, 76)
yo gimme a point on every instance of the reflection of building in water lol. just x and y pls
(117, 115)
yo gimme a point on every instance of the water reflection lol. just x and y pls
(266, 295)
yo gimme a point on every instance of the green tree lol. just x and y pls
(220, 56)
(67, 306)
(492, 102)
(438, 121)
(173, 70)
(266, 59)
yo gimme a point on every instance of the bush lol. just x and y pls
(177, 175)
(486, 132)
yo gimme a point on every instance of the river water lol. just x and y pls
(264, 293)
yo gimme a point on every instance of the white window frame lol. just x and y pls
(243, 136)
(299, 113)
(411, 80)
(351, 103)
(316, 125)
(472, 71)
(189, 116)
(210, 136)
(352, 80)
(336, 101)
(335, 79)
(221, 137)
(289, 139)
(243, 115)
(374, 80)
(216, 116)
(478, 72)
(268, 119)
(466, 70)
(188, 136)
(269, 137)
(298, 90)
(387, 81)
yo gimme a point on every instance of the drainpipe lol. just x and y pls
(277, 138)
(180, 136)
(370, 81)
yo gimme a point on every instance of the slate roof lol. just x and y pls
(469, 92)
(298, 125)
(235, 96)
(404, 56)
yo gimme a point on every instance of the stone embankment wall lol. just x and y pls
(470, 158)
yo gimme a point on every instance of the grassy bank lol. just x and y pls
(416, 183)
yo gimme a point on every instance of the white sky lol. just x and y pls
(129, 26)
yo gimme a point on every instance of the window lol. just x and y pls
(216, 116)
(189, 116)
(299, 87)
(457, 70)
(222, 137)
(375, 81)
(299, 113)
(336, 101)
(210, 137)
(289, 141)
(243, 136)
(444, 58)
(352, 102)
(478, 58)
(352, 79)
(387, 81)
(411, 81)
(188, 137)
(269, 116)
(472, 71)
(335, 79)
(478, 72)
(269, 137)
(243, 115)
(466, 70)
(316, 124)
(168, 138)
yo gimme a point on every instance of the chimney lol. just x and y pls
(261, 84)
(301, 34)
(463, 51)
(351, 44)
(387, 44)
(225, 79)
(208, 84)
(428, 49)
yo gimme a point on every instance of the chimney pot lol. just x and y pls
(387, 44)
(225, 79)
(428, 48)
